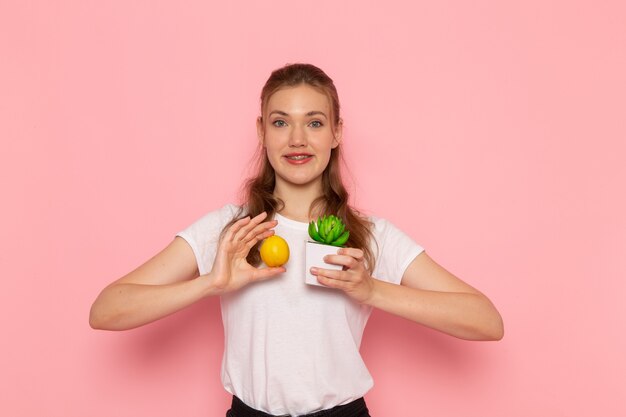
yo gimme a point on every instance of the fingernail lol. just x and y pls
(314, 270)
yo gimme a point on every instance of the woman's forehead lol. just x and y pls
(301, 98)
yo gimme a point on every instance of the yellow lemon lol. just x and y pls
(274, 251)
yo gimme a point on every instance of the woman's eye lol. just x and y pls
(316, 123)
(279, 123)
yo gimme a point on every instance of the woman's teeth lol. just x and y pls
(299, 157)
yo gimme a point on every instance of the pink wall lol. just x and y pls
(492, 132)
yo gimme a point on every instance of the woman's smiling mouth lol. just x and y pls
(298, 158)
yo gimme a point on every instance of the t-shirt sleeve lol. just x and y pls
(395, 251)
(204, 234)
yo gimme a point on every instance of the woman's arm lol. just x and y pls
(434, 297)
(429, 295)
(164, 284)
(169, 281)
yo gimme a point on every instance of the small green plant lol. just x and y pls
(329, 230)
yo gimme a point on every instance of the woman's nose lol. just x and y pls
(297, 137)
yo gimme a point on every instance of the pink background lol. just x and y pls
(492, 132)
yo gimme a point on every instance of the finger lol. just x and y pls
(254, 222)
(243, 231)
(332, 282)
(230, 233)
(250, 243)
(259, 232)
(333, 274)
(353, 252)
(266, 273)
(343, 260)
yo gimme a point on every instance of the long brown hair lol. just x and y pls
(258, 190)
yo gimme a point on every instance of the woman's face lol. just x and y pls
(298, 135)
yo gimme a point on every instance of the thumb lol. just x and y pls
(265, 273)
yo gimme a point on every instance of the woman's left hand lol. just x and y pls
(354, 279)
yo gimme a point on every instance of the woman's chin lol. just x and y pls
(301, 180)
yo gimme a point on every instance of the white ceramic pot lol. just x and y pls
(315, 253)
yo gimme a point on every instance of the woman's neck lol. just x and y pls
(298, 200)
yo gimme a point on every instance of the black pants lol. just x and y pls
(356, 408)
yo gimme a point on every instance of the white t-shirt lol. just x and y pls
(293, 348)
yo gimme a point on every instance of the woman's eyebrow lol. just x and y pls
(279, 112)
(315, 112)
(311, 113)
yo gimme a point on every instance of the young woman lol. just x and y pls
(293, 348)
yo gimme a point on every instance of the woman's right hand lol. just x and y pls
(169, 281)
(231, 270)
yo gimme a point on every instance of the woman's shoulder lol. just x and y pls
(215, 219)
(227, 212)
(378, 224)
(395, 249)
(384, 229)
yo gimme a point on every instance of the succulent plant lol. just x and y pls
(329, 230)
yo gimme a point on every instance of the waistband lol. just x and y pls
(352, 409)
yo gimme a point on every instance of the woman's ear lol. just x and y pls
(338, 134)
(260, 132)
